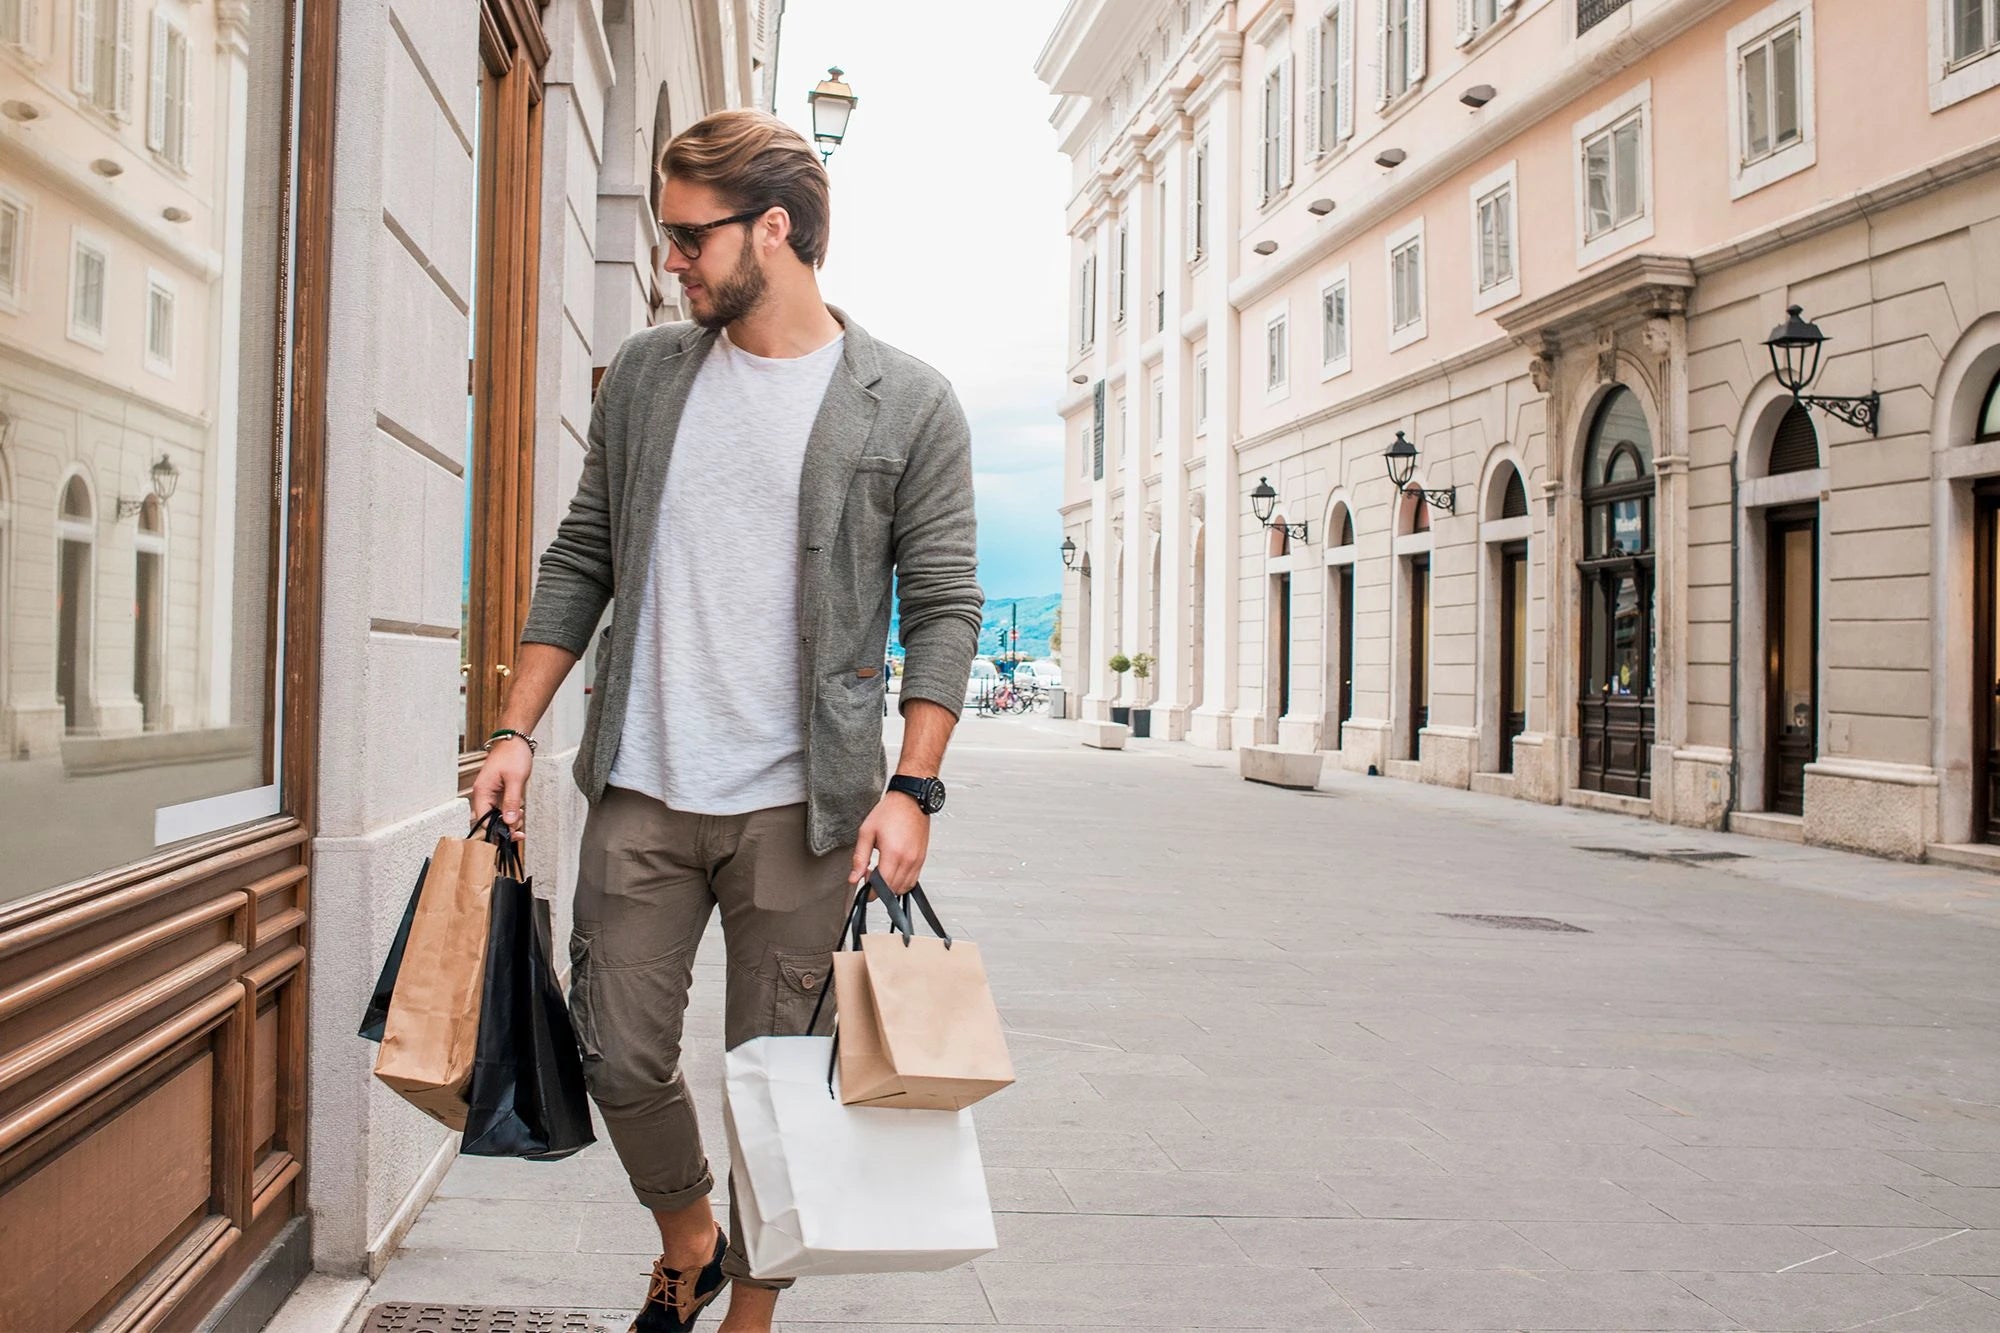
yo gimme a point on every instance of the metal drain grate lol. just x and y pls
(411, 1317)
(1683, 855)
(1548, 923)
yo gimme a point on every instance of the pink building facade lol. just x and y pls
(1546, 241)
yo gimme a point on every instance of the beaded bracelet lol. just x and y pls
(504, 733)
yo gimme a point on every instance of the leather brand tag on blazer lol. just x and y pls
(868, 673)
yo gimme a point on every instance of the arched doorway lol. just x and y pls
(1085, 639)
(1616, 703)
(1415, 528)
(1791, 622)
(1505, 523)
(1278, 607)
(1339, 622)
(1986, 633)
(149, 609)
(76, 538)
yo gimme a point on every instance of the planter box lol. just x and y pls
(1121, 714)
(1142, 723)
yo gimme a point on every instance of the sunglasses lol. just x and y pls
(687, 238)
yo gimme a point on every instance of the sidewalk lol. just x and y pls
(1269, 1079)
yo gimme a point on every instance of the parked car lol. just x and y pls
(985, 678)
(1042, 675)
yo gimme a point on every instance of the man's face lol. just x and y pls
(725, 280)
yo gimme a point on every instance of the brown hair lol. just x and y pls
(752, 158)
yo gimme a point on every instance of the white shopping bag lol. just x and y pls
(823, 1188)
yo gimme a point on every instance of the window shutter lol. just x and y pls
(1514, 499)
(1097, 433)
(1343, 59)
(156, 100)
(1315, 77)
(84, 54)
(184, 61)
(1463, 25)
(1382, 14)
(1506, 5)
(1796, 446)
(1197, 186)
(121, 85)
(1419, 40)
(1285, 124)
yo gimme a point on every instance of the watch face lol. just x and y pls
(934, 795)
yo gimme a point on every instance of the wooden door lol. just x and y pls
(1420, 650)
(1346, 706)
(1284, 644)
(1986, 634)
(1513, 649)
(1791, 657)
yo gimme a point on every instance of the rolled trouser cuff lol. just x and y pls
(672, 1201)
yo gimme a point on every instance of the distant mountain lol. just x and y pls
(1037, 620)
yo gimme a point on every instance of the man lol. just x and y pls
(732, 754)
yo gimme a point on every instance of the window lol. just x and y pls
(1590, 13)
(1159, 414)
(1399, 64)
(1476, 16)
(1964, 35)
(88, 267)
(1118, 292)
(1771, 89)
(169, 131)
(1160, 270)
(1197, 233)
(1329, 68)
(1121, 444)
(1086, 304)
(1614, 163)
(1201, 393)
(1406, 285)
(159, 325)
(1275, 168)
(1276, 372)
(1975, 28)
(1495, 240)
(17, 23)
(13, 250)
(101, 47)
(1335, 341)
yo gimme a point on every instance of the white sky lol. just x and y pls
(948, 237)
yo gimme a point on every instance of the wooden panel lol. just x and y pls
(78, 1228)
(264, 1081)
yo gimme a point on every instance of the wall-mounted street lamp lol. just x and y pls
(1401, 458)
(1795, 349)
(1069, 553)
(831, 102)
(166, 477)
(1263, 501)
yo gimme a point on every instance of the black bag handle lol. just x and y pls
(493, 828)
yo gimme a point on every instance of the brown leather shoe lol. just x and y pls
(676, 1297)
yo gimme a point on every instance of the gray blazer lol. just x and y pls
(886, 491)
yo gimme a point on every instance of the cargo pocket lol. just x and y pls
(800, 976)
(582, 1015)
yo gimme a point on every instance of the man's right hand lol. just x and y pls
(503, 783)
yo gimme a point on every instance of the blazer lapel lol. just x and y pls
(839, 438)
(653, 445)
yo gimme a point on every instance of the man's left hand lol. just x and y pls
(899, 835)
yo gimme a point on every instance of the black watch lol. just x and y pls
(928, 793)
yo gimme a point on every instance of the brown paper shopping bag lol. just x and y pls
(918, 1026)
(432, 1030)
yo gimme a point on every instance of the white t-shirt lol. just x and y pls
(713, 725)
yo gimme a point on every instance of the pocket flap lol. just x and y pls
(804, 972)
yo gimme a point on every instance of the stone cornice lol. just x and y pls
(1260, 30)
(1631, 290)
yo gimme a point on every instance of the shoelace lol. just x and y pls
(668, 1284)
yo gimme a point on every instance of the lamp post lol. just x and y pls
(1795, 348)
(1263, 501)
(1401, 459)
(831, 102)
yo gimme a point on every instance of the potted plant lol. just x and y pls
(1120, 664)
(1142, 718)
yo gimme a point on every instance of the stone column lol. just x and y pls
(1173, 673)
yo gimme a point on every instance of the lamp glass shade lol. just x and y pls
(1069, 553)
(832, 102)
(1401, 457)
(1263, 500)
(166, 477)
(1795, 351)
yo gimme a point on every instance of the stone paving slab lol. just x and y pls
(1266, 1083)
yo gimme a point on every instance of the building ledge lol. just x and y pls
(1971, 855)
(1768, 824)
(1493, 784)
(1637, 806)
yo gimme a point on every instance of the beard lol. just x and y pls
(736, 295)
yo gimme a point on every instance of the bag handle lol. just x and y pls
(492, 827)
(899, 913)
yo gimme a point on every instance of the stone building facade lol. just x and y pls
(1545, 241)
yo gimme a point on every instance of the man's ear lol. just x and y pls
(776, 227)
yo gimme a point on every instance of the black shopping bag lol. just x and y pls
(527, 1097)
(377, 1012)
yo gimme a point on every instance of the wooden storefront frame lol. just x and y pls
(154, 1016)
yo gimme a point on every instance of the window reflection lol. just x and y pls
(138, 370)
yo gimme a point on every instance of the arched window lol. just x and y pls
(76, 500)
(1795, 448)
(1989, 415)
(1342, 526)
(1513, 495)
(1616, 701)
(149, 598)
(74, 627)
